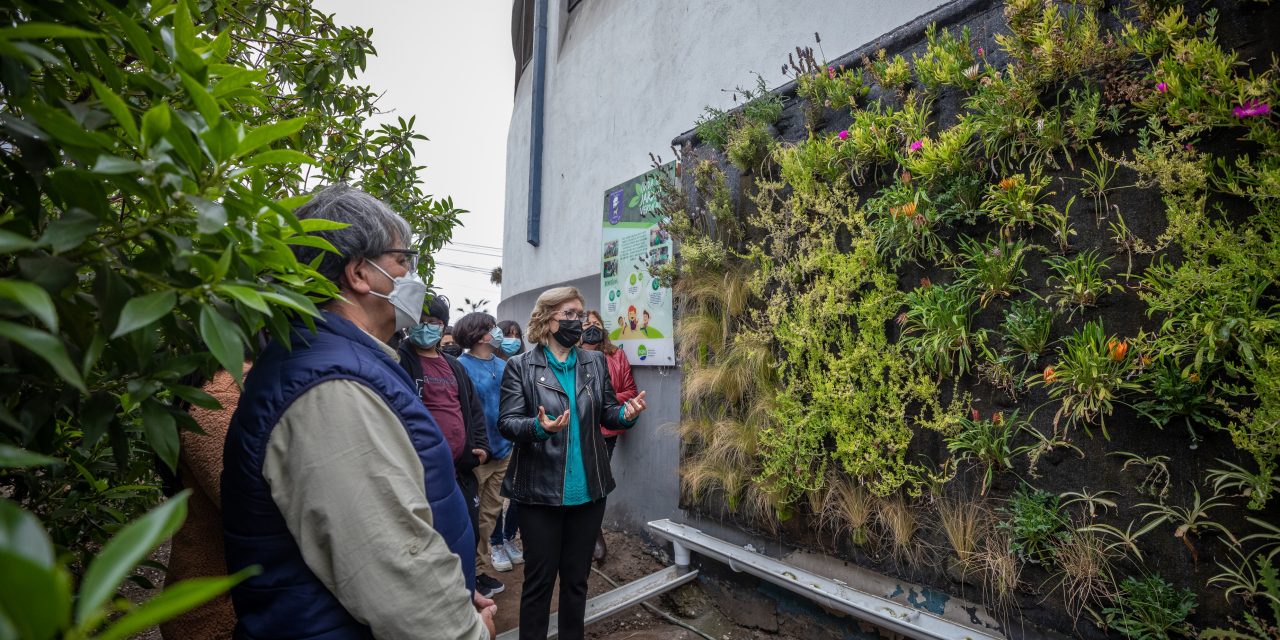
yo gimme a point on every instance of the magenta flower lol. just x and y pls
(1252, 108)
(844, 135)
(1162, 87)
(981, 52)
(831, 72)
(917, 145)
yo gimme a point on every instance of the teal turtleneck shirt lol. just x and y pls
(575, 473)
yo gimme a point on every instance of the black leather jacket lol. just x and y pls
(537, 469)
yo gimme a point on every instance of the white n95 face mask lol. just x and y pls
(408, 292)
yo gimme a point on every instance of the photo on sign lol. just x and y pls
(611, 250)
(610, 268)
(660, 256)
(658, 236)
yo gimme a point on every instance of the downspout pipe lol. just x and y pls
(534, 230)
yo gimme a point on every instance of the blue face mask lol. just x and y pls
(426, 335)
(511, 345)
(495, 338)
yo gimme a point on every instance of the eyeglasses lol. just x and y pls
(570, 315)
(433, 322)
(407, 258)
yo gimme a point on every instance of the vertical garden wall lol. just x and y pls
(993, 305)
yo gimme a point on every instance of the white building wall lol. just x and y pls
(623, 78)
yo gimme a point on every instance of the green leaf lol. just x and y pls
(10, 242)
(247, 296)
(237, 79)
(311, 225)
(144, 310)
(116, 105)
(155, 123)
(183, 29)
(265, 135)
(42, 30)
(312, 241)
(12, 457)
(279, 156)
(34, 600)
(22, 534)
(136, 36)
(32, 298)
(205, 103)
(112, 166)
(224, 341)
(124, 551)
(162, 432)
(197, 397)
(70, 231)
(48, 347)
(174, 601)
(211, 216)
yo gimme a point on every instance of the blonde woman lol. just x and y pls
(553, 398)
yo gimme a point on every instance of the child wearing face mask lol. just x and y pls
(479, 334)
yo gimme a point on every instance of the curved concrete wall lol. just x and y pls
(623, 78)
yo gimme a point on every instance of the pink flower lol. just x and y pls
(1252, 108)
(831, 72)
(917, 145)
(844, 135)
(981, 52)
(1162, 87)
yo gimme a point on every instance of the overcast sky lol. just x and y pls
(450, 64)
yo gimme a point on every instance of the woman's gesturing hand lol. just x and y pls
(552, 426)
(633, 407)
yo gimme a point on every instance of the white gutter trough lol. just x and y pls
(628, 595)
(908, 621)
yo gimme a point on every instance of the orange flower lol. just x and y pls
(998, 418)
(908, 209)
(906, 177)
(1117, 350)
(1008, 183)
(926, 283)
(1049, 375)
(1195, 377)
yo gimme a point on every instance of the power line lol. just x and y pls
(475, 246)
(475, 253)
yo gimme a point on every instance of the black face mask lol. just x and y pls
(592, 335)
(453, 350)
(569, 333)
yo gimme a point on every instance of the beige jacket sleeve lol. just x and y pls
(350, 487)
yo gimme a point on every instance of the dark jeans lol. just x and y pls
(557, 542)
(507, 525)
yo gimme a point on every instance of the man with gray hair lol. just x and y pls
(337, 481)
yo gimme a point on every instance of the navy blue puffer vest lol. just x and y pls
(287, 600)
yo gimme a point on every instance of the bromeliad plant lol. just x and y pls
(1091, 374)
(904, 224)
(988, 442)
(1026, 328)
(1177, 394)
(992, 268)
(1015, 201)
(936, 327)
(1077, 282)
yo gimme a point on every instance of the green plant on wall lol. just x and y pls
(1089, 377)
(936, 327)
(947, 60)
(1150, 608)
(1035, 523)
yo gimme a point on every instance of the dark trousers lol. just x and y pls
(557, 542)
(609, 443)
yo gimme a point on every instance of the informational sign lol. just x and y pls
(635, 307)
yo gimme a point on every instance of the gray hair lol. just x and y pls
(374, 228)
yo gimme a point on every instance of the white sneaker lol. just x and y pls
(499, 559)
(513, 552)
